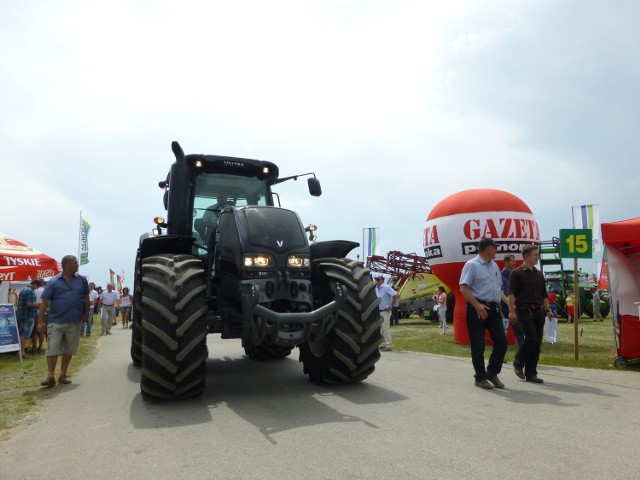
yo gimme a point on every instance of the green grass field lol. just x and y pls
(20, 390)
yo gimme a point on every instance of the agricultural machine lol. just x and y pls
(229, 261)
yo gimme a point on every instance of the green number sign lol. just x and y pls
(576, 243)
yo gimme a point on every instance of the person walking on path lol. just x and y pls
(388, 297)
(108, 300)
(481, 286)
(67, 298)
(125, 306)
(528, 304)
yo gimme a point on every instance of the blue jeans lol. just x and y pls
(442, 315)
(476, 327)
(89, 323)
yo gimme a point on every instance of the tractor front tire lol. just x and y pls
(349, 351)
(174, 347)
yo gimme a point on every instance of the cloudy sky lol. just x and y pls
(394, 104)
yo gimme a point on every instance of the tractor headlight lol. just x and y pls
(258, 260)
(298, 261)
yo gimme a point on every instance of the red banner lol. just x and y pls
(603, 281)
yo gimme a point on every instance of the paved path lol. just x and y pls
(418, 417)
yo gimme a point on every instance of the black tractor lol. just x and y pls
(227, 260)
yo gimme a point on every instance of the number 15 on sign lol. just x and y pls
(576, 243)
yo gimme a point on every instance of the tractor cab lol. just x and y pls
(215, 192)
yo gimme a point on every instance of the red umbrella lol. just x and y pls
(19, 262)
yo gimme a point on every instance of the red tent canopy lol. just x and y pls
(19, 262)
(622, 241)
(623, 235)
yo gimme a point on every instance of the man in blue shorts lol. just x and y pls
(67, 297)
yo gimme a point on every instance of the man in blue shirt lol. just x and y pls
(27, 314)
(67, 297)
(481, 286)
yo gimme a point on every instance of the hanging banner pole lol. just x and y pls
(576, 307)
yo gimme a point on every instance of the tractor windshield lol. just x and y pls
(215, 191)
(274, 229)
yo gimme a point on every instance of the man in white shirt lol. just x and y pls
(388, 297)
(38, 291)
(108, 300)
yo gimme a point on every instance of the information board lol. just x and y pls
(576, 243)
(9, 336)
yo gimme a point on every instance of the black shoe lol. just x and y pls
(496, 382)
(519, 371)
(535, 379)
(484, 383)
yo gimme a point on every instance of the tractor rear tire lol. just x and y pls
(174, 332)
(349, 351)
(267, 352)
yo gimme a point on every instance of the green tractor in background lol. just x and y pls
(559, 281)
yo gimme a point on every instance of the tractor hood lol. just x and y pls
(274, 229)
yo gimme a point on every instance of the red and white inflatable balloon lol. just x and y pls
(455, 226)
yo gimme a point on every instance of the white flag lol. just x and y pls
(588, 216)
(84, 240)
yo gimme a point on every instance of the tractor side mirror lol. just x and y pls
(314, 186)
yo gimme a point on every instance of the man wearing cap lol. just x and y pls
(528, 304)
(481, 286)
(388, 297)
